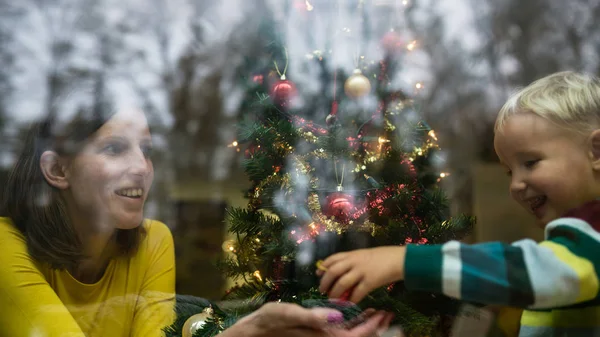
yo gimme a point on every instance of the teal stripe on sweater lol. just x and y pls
(423, 267)
(521, 293)
(484, 273)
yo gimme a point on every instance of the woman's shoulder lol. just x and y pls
(156, 229)
(157, 234)
(9, 232)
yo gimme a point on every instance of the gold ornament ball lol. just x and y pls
(357, 85)
(195, 323)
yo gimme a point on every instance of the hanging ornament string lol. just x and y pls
(339, 182)
(331, 119)
(334, 104)
(282, 75)
(357, 85)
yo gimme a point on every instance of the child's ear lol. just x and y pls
(53, 170)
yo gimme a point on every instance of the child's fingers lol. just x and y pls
(332, 274)
(359, 292)
(333, 259)
(343, 283)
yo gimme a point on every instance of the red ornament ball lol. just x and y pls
(392, 42)
(339, 205)
(283, 91)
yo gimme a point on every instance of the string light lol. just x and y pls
(432, 135)
(257, 275)
(419, 85)
(411, 45)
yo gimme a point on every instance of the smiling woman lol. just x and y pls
(80, 258)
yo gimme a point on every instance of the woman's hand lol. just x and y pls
(285, 319)
(361, 271)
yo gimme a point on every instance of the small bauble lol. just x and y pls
(357, 85)
(331, 120)
(196, 322)
(258, 79)
(283, 91)
(251, 151)
(392, 42)
(339, 205)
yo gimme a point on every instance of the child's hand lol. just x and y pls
(361, 271)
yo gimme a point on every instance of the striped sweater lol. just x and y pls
(556, 281)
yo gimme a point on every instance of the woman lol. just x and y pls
(78, 257)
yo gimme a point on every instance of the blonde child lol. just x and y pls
(548, 137)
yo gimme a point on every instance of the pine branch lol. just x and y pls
(245, 221)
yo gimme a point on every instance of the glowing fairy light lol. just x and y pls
(411, 45)
(444, 174)
(383, 140)
(419, 85)
(229, 246)
(309, 7)
(257, 275)
(432, 135)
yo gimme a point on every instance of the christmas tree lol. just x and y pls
(339, 159)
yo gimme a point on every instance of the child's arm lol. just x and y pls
(557, 272)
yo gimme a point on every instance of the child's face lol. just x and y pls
(550, 167)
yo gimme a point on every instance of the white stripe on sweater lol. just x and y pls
(451, 269)
(554, 283)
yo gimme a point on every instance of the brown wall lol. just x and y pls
(498, 216)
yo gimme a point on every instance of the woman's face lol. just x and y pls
(108, 181)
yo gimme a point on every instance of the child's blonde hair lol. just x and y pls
(566, 98)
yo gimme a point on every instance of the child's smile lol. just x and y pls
(550, 166)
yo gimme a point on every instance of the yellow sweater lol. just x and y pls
(134, 298)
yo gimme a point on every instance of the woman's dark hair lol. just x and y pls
(37, 209)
